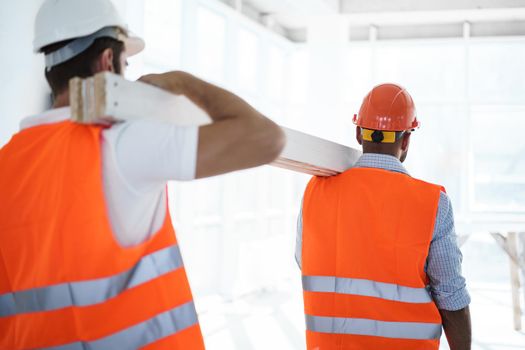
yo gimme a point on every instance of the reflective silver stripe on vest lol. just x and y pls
(361, 326)
(142, 334)
(364, 287)
(93, 291)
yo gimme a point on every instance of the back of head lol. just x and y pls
(73, 33)
(82, 65)
(386, 118)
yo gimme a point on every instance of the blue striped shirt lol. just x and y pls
(443, 265)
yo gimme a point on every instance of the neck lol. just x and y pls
(61, 100)
(393, 153)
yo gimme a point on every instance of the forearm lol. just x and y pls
(457, 328)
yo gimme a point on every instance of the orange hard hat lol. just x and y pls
(387, 107)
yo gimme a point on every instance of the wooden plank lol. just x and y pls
(521, 264)
(514, 280)
(504, 244)
(315, 156)
(108, 98)
(517, 263)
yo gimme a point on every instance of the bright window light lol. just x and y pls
(162, 32)
(248, 55)
(498, 150)
(275, 71)
(211, 42)
(496, 72)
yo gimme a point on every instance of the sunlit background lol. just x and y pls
(307, 66)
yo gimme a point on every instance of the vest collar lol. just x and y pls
(48, 117)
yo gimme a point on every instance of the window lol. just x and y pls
(357, 74)
(496, 72)
(275, 73)
(498, 159)
(299, 77)
(162, 33)
(420, 67)
(247, 60)
(211, 41)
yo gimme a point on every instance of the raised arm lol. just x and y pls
(238, 138)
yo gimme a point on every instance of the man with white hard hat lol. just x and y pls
(88, 255)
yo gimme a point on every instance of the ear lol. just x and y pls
(358, 135)
(405, 142)
(104, 62)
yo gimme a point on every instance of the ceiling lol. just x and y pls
(392, 18)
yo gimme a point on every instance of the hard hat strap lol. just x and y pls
(80, 45)
(380, 136)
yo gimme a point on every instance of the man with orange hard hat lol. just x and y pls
(381, 268)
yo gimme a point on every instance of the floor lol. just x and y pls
(273, 318)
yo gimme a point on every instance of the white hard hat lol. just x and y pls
(59, 20)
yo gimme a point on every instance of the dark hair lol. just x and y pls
(81, 65)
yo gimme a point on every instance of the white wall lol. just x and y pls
(24, 90)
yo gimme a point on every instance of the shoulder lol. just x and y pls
(445, 205)
(430, 184)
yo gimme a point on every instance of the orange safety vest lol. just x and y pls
(366, 235)
(64, 280)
